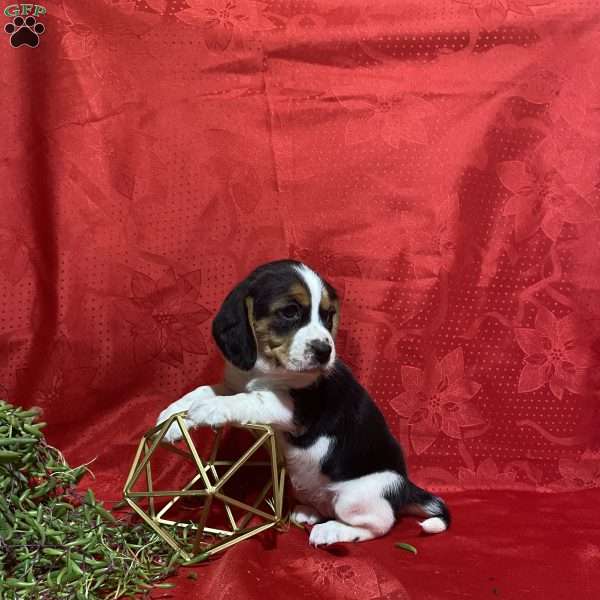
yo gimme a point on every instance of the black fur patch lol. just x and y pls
(339, 407)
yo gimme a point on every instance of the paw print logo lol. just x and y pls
(24, 31)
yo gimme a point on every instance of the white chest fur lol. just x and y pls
(304, 469)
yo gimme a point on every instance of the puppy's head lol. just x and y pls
(283, 316)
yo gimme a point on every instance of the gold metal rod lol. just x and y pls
(259, 426)
(231, 518)
(197, 459)
(227, 507)
(223, 532)
(279, 500)
(176, 450)
(213, 454)
(151, 432)
(261, 497)
(202, 524)
(155, 443)
(250, 463)
(240, 462)
(245, 506)
(216, 531)
(215, 446)
(238, 538)
(214, 472)
(169, 504)
(159, 530)
(274, 477)
(149, 482)
(162, 493)
(171, 522)
(129, 479)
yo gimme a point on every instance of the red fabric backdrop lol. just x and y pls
(437, 161)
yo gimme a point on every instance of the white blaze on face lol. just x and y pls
(300, 354)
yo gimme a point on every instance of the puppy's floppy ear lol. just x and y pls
(232, 330)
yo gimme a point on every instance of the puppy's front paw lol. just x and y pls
(209, 411)
(174, 432)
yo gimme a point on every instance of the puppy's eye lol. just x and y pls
(291, 312)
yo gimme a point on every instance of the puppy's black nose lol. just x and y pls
(321, 350)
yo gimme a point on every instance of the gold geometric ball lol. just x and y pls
(220, 499)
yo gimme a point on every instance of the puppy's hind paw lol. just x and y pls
(305, 515)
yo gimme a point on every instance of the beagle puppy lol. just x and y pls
(277, 330)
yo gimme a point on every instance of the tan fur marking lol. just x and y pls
(328, 304)
(297, 292)
(336, 319)
(272, 346)
(249, 302)
(325, 299)
(300, 293)
(335, 305)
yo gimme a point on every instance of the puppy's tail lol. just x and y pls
(420, 502)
